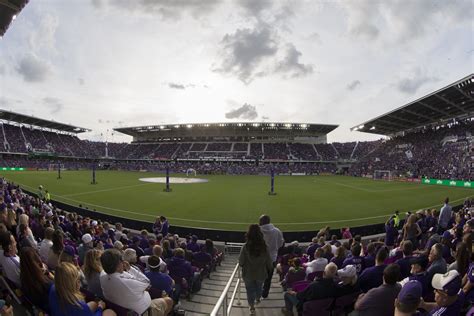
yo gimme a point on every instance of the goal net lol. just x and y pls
(383, 175)
(55, 166)
(191, 171)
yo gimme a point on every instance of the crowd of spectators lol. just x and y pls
(65, 264)
(423, 267)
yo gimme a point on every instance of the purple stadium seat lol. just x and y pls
(318, 307)
(300, 286)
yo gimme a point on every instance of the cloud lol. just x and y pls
(246, 112)
(179, 86)
(353, 85)
(290, 63)
(80, 81)
(411, 84)
(315, 38)
(43, 36)
(33, 69)
(256, 52)
(166, 9)
(368, 19)
(2, 69)
(255, 7)
(54, 104)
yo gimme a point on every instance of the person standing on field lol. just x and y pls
(274, 240)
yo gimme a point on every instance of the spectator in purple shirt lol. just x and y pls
(158, 280)
(193, 245)
(144, 243)
(136, 246)
(178, 267)
(370, 257)
(339, 258)
(418, 273)
(373, 277)
(355, 260)
(391, 233)
(312, 248)
(404, 263)
(164, 226)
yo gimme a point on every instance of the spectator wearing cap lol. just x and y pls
(409, 299)
(404, 263)
(356, 259)
(86, 245)
(418, 273)
(447, 300)
(318, 264)
(9, 260)
(193, 245)
(319, 289)
(126, 286)
(348, 281)
(444, 216)
(437, 262)
(380, 300)
(373, 277)
(160, 281)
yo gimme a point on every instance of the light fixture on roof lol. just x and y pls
(255, 125)
(288, 125)
(207, 125)
(361, 126)
(372, 128)
(189, 125)
(272, 124)
(14, 17)
(304, 125)
(176, 126)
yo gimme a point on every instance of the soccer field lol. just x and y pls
(234, 202)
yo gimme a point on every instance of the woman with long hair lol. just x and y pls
(256, 265)
(411, 231)
(56, 249)
(35, 278)
(66, 299)
(92, 269)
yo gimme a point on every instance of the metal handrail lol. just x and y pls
(223, 300)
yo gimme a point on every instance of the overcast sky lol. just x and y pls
(108, 63)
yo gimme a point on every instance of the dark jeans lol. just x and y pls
(268, 282)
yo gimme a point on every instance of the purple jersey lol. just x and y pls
(356, 261)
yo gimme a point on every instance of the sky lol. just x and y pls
(102, 64)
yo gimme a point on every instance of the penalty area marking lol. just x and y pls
(174, 180)
(235, 223)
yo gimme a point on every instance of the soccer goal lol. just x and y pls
(55, 166)
(383, 175)
(191, 171)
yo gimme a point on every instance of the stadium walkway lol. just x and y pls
(204, 301)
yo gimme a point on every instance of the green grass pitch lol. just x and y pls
(234, 202)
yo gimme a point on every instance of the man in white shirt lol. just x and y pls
(9, 260)
(318, 264)
(156, 251)
(274, 240)
(45, 244)
(127, 286)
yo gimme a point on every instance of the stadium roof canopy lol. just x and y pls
(454, 102)
(8, 12)
(228, 130)
(38, 122)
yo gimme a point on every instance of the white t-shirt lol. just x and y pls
(43, 249)
(11, 268)
(163, 268)
(316, 265)
(127, 289)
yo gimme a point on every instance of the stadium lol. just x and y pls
(360, 212)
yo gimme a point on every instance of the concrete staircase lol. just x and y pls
(204, 301)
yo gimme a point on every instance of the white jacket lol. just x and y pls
(273, 238)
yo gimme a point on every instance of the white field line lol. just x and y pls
(237, 223)
(107, 190)
(369, 190)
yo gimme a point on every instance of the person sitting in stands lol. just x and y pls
(35, 278)
(437, 262)
(447, 300)
(404, 263)
(126, 286)
(56, 249)
(193, 245)
(380, 300)
(135, 245)
(355, 260)
(319, 289)
(348, 281)
(318, 264)
(86, 245)
(66, 299)
(160, 281)
(46, 244)
(340, 256)
(157, 251)
(409, 299)
(9, 260)
(92, 269)
(418, 273)
(373, 277)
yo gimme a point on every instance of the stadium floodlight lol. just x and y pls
(162, 127)
(272, 125)
(288, 125)
(176, 126)
(304, 125)
(207, 125)
(14, 17)
(189, 125)
(256, 124)
(361, 126)
(372, 128)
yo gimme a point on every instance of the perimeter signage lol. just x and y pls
(451, 183)
(11, 169)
